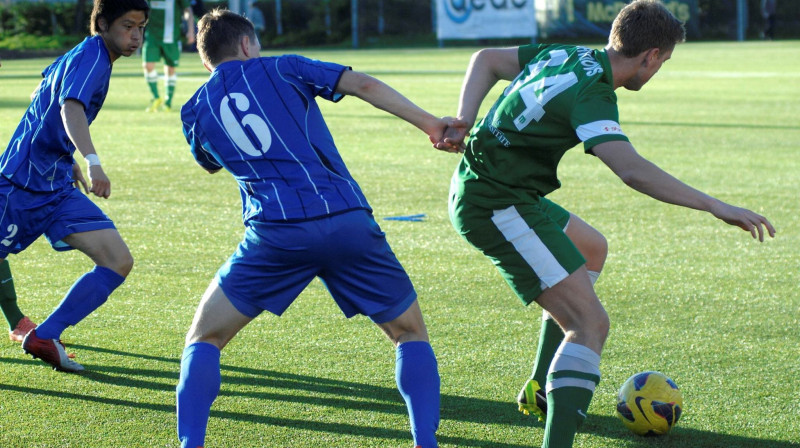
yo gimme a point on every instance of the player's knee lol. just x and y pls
(122, 263)
(407, 331)
(597, 251)
(599, 325)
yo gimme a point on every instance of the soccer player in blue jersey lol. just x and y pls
(37, 173)
(560, 96)
(304, 214)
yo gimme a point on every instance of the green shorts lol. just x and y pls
(155, 51)
(526, 242)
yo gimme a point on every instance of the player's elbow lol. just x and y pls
(365, 86)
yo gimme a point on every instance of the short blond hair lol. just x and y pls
(645, 24)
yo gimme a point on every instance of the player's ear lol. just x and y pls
(651, 56)
(244, 43)
(102, 24)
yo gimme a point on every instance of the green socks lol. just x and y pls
(570, 385)
(8, 296)
(550, 338)
(152, 82)
(170, 81)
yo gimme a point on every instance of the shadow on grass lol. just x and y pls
(334, 393)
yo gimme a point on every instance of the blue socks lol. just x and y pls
(85, 296)
(197, 389)
(417, 376)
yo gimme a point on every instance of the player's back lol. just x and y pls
(259, 119)
(563, 95)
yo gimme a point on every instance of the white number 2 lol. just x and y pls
(235, 129)
(12, 231)
(536, 94)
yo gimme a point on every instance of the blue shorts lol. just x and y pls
(26, 215)
(276, 261)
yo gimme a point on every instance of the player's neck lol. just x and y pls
(622, 68)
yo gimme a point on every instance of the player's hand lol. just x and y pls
(454, 136)
(452, 127)
(101, 186)
(78, 180)
(744, 219)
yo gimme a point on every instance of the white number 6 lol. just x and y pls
(236, 130)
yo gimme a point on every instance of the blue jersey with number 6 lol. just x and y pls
(259, 120)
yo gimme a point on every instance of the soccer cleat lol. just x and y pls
(533, 400)
(23, 327)
(155, 105)
(51, 351)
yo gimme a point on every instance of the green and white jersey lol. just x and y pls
(563, 96)
(164, 24)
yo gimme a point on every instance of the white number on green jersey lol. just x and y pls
(536, 94)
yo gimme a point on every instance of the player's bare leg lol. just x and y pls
(113, 263)
(593, 246)
(215, 323)
(574, 371)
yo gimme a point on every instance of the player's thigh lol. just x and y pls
(216, 320)
(78, 223)
(589, 241)
(105, 247)
(526, 243)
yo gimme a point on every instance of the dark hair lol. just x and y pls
(111, 10)
(219, 33)
(645, 24)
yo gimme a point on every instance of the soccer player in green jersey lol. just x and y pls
(162, 41)
(560, 96)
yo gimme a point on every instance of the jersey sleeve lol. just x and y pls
(200, 145)
(595, 118)
(85, 74)
(321, 78)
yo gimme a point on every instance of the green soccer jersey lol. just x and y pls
(563, 96)
(164, 23)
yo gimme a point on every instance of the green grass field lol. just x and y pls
(687, 295)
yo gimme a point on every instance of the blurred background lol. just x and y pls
(36, 27)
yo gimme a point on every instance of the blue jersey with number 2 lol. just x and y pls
(259, 120)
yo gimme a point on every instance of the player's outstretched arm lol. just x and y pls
(77, 127)
(486, 68)
(384, 97)
(645, 177)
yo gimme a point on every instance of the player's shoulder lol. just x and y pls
(92, 46)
